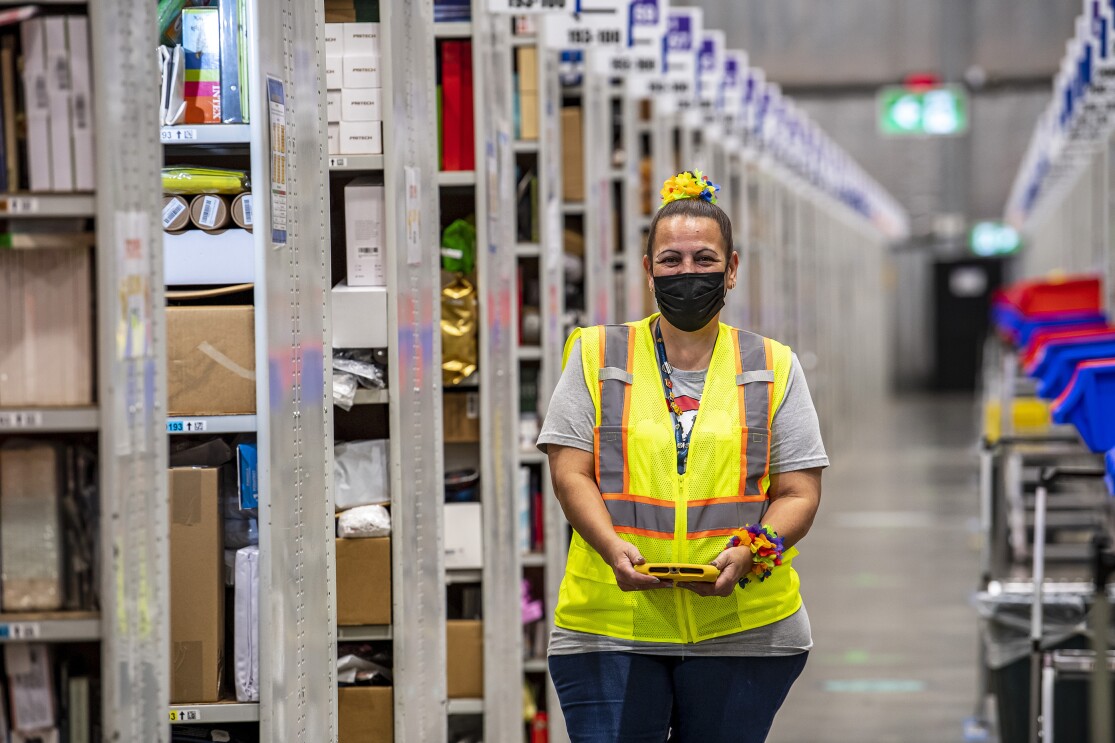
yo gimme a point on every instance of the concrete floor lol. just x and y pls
(894, 656)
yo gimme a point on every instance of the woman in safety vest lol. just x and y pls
(675, 441)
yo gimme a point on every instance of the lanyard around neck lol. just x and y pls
(680, 436)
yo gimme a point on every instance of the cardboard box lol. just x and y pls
(361, 70)
(465, 658)
(359, 316)
(334, 71)
(361, 38)
(464, 541)
(197, 591)
(572, 155)
(211, 360)
(528, 69)
(361, 104)
(335, 39)
(364, 581)
(366, 714)
(365, 229)
(461, 416)
(529, 115)
(333, 100)
(361, 137)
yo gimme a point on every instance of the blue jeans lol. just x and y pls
(615, 697)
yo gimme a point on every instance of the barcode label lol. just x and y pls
(472, 405)
(185, 715)
(209, 206)
(21, 419)
(368, 251)
(20, 631)
(185, 426)
(338, 162)
(172, 211)
(246, 202)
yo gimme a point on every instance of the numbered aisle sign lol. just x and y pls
(523, 7)
(589, 24)
(683, 30)
(710, 69)
(732, 88)
(644, 56)
(754, 82)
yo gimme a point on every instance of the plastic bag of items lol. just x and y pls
(354, 369)
(364, 521)
(460, 349)
(360, 664)
(360, 474)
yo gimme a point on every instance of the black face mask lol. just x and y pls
(689, 301)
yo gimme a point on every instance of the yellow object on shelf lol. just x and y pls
(1029, 415)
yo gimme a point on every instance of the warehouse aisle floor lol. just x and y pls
(894, 632)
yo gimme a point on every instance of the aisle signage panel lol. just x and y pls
(710, 68)
(683, 30)
(524, 7)
(590, 24)
(641, 63)
(735, 70)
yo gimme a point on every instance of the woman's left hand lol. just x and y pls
(733, 564)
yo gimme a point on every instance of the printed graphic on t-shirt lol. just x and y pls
(689, 406)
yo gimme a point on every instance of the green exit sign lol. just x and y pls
(935, 112)
(990, 239)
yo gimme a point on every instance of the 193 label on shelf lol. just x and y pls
(185, 715)
(19, 205)
(179, 425)
(21, 419)
(20, 631)
(178, 135)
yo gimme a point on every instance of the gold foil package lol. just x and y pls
(459, 324)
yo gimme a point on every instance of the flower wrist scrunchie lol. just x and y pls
(766, 550)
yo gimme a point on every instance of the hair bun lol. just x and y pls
(692, 184)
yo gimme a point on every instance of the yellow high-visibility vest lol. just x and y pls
(672, 517)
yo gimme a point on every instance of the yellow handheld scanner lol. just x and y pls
(680, 571)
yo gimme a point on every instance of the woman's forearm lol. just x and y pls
(580, 499)
(794, 498)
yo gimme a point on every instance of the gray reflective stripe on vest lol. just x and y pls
(756, 401)
(720, 516)
(643, 516)
(614, 376)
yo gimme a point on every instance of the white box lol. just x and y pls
(361, 104)
(61, 95)
(335, 39)
(334, 71)
(361, 137)
(464, 544)
(365, 232)
(196, 257)
(361, 71)
(334, 139)
(359, 316)
(82, 109)
(36, 94)
(333, 100)
(361, 38)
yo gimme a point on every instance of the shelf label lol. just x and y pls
(178, 135)
(413, 186)
(180, 425)
(338, 162)
(21, 419)
(522, 7)
(19, 205)
(276, 98)
(20, 631)
(185, 715)
(600, 24)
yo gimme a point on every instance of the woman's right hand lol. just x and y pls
(623, 558)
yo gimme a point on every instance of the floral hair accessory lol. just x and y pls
(689, 185)
(766, 550)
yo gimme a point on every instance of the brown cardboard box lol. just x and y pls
(367, 714)
(572, 155)
(197, 590)
(364, 581)
(528, 69)
(461, 416)
(528, 115)
(465, 652)
(211, 360)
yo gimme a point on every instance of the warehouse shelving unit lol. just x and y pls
(293, 419)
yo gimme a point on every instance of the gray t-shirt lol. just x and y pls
(795, 444)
